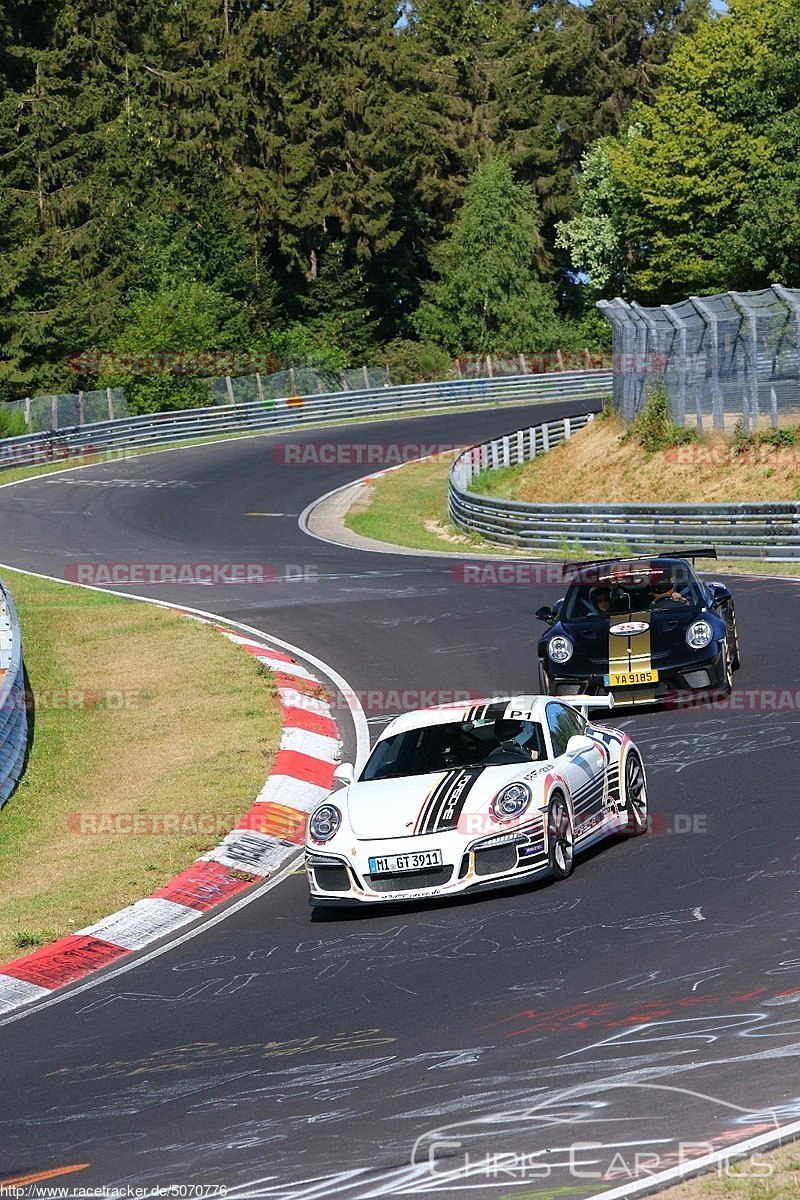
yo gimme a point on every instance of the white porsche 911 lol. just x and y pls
(454, 799)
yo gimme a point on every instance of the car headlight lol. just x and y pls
(511, 802)
(560, 649)
(698, 635)
(325, 823)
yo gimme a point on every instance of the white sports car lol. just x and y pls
(453, 799)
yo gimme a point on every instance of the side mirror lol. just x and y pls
(719, 593)
(545, 613)
(345, 773)
(579, 744)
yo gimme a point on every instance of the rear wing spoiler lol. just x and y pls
(691, 552)
(584, 703)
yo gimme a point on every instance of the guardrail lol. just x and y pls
(158, 429)
(13, 712)
(768, 530)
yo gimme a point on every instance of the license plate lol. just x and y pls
(630, 678)
(405, 862)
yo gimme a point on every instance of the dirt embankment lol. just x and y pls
(597, 465)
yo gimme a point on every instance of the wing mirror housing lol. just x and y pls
(719, 593)
(545, 613)
(345, 773)
(579, 744)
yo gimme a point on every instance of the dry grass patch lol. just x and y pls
(140, 712)
(597, 466)
(746, 1180)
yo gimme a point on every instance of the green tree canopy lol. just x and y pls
(308, 159)
(489, 296)
(700, 192)
(179, 319)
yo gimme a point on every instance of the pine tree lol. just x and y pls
(489, 297)
(116, 176)
(322, 149)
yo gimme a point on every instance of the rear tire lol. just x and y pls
(560, 838)
(633, 792)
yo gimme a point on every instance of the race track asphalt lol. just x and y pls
(512, 1044)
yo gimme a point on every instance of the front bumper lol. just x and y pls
(344, 879)
(680, 677)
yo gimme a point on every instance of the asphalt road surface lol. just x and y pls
(573, 1035)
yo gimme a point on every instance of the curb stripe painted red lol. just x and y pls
(268, 834)
(66, 960)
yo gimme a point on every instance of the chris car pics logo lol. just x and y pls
(573, 1134)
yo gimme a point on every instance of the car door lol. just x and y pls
(585, 773)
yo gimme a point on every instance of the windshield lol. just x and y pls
(619, 591)
(431, 748)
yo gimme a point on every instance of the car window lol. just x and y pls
(563, 723)
(490, 743)
(619, 591)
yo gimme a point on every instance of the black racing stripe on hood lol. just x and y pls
(450, 798)
(430, 805)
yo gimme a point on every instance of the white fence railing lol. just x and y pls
(13, 711)
(158, 429)
(768, 530)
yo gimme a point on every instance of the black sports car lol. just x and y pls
(646, 629)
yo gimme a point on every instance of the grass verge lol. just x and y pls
(139, 712)
(408, 507)
(767, 1175)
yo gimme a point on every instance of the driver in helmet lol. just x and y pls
(600, 598)
(515, 736)
(662, 590)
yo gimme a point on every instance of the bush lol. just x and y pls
(654, 428)
(299, 346)
(12, 422)
(416, 362)
(178, 318)
(743, 442)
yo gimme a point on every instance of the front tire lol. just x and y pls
(733, 638)
(633, 792)
(544, 689)
(560, 838)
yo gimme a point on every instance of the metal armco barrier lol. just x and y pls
(158, 429)
(769, 530)
(13, 713)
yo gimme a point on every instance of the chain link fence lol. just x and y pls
(733, 357)
(67, 409)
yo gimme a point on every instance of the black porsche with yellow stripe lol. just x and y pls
(647, 629)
